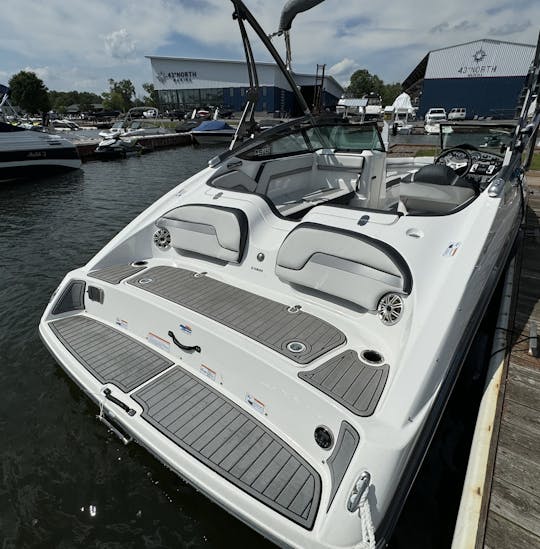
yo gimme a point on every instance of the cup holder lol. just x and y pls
(374, 358)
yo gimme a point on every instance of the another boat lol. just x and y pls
(134, 124)
(284, 328)
(25, 153)
(402, 114)
(64, 125)
(117, 147)
(213, 132)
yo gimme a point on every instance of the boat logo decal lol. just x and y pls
(186, 329)
(256, 404)
(452, 249)
(121, 323)
(158, 341)
(37, 154)
(208, 372)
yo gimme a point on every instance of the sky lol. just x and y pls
(80, 44)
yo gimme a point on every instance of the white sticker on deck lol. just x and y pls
(255, 403)
(208, 372)
(158, 341)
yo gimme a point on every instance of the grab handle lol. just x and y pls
(183, 347)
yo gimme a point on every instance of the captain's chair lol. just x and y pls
(435, 188)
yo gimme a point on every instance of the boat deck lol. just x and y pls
(511, 517)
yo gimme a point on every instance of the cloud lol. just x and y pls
(343, 70)
(510, 28)
(93, 41)
(41, 72)
(446, 27)
(119, 44)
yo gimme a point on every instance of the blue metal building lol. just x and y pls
(485, 77)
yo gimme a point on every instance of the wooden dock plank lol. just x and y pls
(512, 467)
(518, 414)
(520, 438)
(513, 516)
(504, 534)
(516, 505)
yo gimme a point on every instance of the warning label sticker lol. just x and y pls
(255, 403)
(208, 372)
(158, 341)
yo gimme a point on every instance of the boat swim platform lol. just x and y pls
(500, 505)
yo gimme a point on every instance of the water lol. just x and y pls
(65, 482)
(58, 465)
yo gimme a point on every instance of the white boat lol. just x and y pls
(213, 132)
(134, 124)
(25, 153)
(401, 115)
(284, 328)
(63, 125)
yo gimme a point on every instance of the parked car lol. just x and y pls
(458, 113)
(435, 115)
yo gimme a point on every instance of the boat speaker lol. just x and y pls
(390, 309)
(162, 239)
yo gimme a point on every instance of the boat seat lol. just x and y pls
(212, 231)
(234, 181)
(433, 198)
(435, 188)
(439, 174)
(342, 263)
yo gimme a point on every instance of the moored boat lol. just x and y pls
(284, 328)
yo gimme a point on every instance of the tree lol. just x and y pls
(152, 98)
(363, 82)
(390, 92)
(29, 92)
(119, 96)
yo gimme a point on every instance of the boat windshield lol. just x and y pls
(493, 138)
(309, 135)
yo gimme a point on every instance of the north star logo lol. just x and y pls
(479, 55)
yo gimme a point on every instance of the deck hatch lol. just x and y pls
(108, 354)
(232, 443)
(266, 321)
(116, 273)
(349, 381)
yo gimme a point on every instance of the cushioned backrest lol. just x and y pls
(432, 197)
(342, 263)
(213, 231)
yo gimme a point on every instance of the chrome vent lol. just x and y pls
(162, 239)
(390, 309)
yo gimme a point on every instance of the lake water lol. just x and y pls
(65, 481)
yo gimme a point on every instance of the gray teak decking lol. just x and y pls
(270, 323)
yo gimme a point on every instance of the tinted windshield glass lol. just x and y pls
(492, 138)
(301, 137)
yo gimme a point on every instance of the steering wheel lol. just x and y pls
(459, 160)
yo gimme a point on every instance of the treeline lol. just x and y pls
(30, 94)
(363, 82)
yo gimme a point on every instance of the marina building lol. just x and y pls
(485, 77)
(183, 83)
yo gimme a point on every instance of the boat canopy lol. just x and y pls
(212, 126)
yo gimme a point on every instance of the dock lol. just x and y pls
(500, 505)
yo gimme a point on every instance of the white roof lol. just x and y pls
(352, 102)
